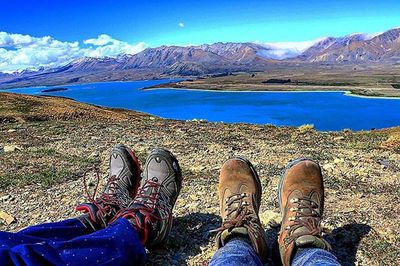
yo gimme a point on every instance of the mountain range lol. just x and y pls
(209, 59)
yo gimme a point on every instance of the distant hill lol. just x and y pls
(217, 58)
(356, 48)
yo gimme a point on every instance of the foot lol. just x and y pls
(120, 190)
(301, 200)
(240, 198)
(151, 210)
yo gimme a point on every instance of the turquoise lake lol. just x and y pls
(326, 110)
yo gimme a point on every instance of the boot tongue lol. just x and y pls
(235, 232)
(310, 241)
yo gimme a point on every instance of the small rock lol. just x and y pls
(327, 166)
(193, 197)
(6, 217)
(270, 218)
(11, 130)
(338, 138)
(94, 155)
(347, 210)
(384, 163)
(11, 148)
(197, 169)
(5, 198)
(338, 160)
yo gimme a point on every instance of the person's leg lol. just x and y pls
(49, 238)
(236, 252)
(315, 256)
(241, 238)
(56, 231)
(117, 244)
(301, 200)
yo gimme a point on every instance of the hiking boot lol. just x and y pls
(120, 190)
(301, 199)
(240, 198)
(151, 210)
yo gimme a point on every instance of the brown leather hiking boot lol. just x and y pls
(301, 199)
(240, 198)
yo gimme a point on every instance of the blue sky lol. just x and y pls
(154, 23)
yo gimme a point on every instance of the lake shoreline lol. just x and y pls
(348, 91)
(345, 92)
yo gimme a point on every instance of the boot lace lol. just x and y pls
(149, 198)
(239, 214)
(306, 215)
(109, 200)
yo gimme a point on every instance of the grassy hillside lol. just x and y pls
(47, 144)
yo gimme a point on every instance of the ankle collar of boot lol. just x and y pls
(311, 241)
(229, 234)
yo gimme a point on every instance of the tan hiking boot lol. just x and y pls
(301, 199)
(240, 198)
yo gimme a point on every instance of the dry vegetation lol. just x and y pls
(55, 140)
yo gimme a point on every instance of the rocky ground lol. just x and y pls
(47, 143)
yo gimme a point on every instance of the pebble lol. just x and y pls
(6, 198)
(270, 218)
(338, 138)
(11, 148)
(6, 217)
(338, 161)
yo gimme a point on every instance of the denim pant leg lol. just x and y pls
(236, 252)
(69, 243)
(315, 256)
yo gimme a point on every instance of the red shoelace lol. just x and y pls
(107, 201)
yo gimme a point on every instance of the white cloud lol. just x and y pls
(283, 50)
(104, 45)
(18, 51)
(181, 24)
(369, 36)
(101, 40)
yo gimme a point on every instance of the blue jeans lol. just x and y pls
(70, 243)
(238, 252)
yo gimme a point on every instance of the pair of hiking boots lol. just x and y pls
(146, 202)
(301, 200)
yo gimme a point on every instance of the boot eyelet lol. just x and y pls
(294, 200)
